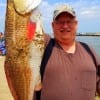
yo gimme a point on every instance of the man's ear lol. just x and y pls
(76, 24)
(52, 24)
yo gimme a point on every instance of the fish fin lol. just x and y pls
(9, 82)
(38, 87)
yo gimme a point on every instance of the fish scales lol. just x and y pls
(16, 59)
(21, 65)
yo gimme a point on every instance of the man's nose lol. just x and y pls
(65, 25)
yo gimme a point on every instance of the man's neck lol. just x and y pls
(69, 47)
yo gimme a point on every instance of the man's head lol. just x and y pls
(64, 23)
(63, 8)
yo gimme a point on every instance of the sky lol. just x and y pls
(87, 11)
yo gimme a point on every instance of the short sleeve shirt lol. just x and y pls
(69, 76)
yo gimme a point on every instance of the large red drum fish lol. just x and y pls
(25, 47)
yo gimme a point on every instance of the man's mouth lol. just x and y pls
(65, 30)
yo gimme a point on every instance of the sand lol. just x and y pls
(4, 89)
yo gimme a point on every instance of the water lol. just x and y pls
(93, 41)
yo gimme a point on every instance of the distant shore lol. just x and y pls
(87, 35)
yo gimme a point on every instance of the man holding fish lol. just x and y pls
(70, 73)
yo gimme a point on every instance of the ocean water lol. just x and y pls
(93, 41)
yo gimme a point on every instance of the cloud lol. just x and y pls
(2, 4)
(87, 9)
(83, 8)
(46, 10)
(2, 10)
(1, 17)
(90, 12)
(47, 13)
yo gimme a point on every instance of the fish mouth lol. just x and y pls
(25, 6)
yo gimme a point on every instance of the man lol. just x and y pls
(70, 73)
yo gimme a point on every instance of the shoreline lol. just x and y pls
(86, 35)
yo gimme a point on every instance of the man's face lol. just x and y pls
(64, 27)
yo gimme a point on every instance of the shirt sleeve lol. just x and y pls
(47, 38)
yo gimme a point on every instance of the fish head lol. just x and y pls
(36, 15)
(35, 26)
(25, 6)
